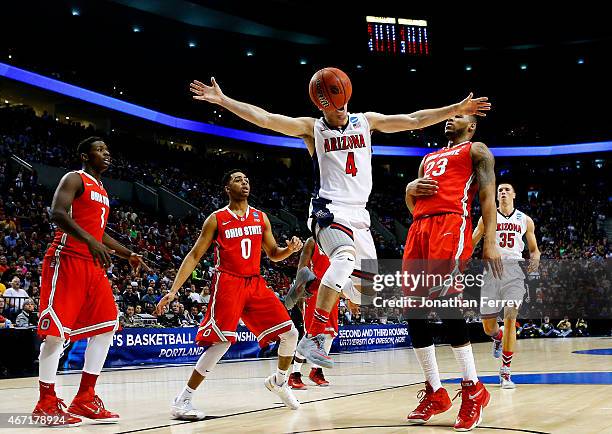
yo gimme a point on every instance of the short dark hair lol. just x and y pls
(228, 176)
(85, 146)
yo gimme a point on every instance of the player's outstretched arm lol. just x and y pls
(135, 260)
(302, 127)
(425, 118)
(207, 234)
(478, 233)
(484, 167)
(307, 252)
(532, 244)
(71, 186)
(272, 250)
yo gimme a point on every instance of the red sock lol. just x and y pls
(319, 321)
(499, 335)
(46, 389)
(88, 382)
(507, 358)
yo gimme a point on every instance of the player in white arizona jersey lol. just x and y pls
(512, 226)
(340, 146)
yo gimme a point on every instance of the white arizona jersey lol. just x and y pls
(343, 161)
(509, 234)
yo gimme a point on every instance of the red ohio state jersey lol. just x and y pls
(452, 168)
(238, 242)
(319, 263)
(90, 211)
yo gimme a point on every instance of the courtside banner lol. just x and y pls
(371, 337)
(155, 346)
(158, 346)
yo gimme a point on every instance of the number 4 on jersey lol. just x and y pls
(351, 169)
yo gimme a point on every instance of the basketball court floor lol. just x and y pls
(564, 386)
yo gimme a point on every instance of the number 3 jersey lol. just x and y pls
(90, 211)
(452, 168)
(238, 242)
(509, 234)
(343, 161)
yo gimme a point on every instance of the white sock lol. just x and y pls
(96, 352)
(427, 360)
(328, 343)
(465, 358)
(50, 352)
(297, 367)
(281, 377)
(186, 393)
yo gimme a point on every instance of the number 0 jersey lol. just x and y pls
(343, 161)
(509, 234)
(238, 242)
(452, 168)
(90, 211)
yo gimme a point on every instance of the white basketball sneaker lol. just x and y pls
(284, 392)
(505, 379)
(184, 410)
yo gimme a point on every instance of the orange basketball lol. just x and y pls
(330, 89)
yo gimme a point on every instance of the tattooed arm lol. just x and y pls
(484, 168)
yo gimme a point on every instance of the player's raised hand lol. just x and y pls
(165, 300)
(493, 260)
(474, 106)
(422, 187)
(295, 244)
(136, 262)
(203, 92)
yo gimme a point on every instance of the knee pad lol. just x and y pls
(211, 357)
(334, 237)
(341, 265)
(288, 343)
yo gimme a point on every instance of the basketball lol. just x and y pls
(330, 89)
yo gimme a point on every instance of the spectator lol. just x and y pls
(10, 241)
(138, 310)
(3, 308)
(194, 316)
(130, 297)
(205, 295)
(27, 317)
(195, 297)
(5, 323)
(3, 265)
(530, 330)
(581, 328)
(129, 319)
(171, 318)
(149, 297)
(197, 276)
(548, 329)
(565, 327)
(16, 293)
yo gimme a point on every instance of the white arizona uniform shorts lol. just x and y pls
(357, 220)
(510, 287)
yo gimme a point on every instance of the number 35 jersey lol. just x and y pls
(452, 168)
(238, 242)
(509, 234)
(343, 161)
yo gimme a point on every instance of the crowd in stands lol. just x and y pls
(569, 218)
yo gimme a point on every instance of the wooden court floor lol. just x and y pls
(561, 391)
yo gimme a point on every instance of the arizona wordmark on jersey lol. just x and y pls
(343, 161)
(509, 234)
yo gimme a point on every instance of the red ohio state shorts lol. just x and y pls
(234, 297)
(76, 299)
(437, 249)
(331, 328)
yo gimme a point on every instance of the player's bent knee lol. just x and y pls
(211, 357)
(341, 265)
(490, 326)
(288, 342)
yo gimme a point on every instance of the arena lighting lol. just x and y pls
(73, 91)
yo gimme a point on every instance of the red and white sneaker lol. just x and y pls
(317, 377)
(50, 411)
(295, 381)
(92, 407)
(474, 397)
(430, 404)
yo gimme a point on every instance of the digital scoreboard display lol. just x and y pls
(398, 36)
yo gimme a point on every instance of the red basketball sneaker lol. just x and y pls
(295, 381)
(430, 404)
(316, 375)
(50, 411)
(92, 407)
(474, 397)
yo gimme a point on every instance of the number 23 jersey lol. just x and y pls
(457, 185)
(238, 242)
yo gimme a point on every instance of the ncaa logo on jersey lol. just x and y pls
(355, 121)
(519, 215)
(256, 217)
